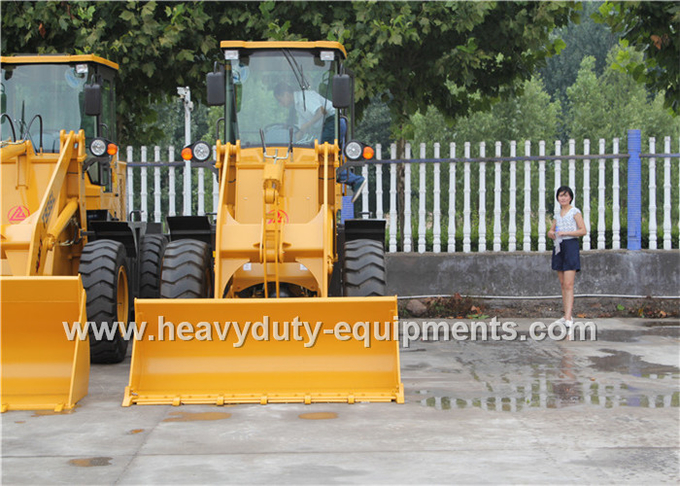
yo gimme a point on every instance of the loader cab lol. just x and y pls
(44, 94)
(279, 93)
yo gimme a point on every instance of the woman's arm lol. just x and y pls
(551, 231)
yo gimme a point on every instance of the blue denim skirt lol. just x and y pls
(568, 258)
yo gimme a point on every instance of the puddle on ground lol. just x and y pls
(630, 364)
(318, 415)
(196, 416)
(577, 394)
(91, 462)
(136, 431)
(559, 387)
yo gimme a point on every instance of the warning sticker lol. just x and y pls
(17, 214)
(281, 216)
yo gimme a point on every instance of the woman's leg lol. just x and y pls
(567, 281)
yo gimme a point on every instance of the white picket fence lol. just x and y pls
(496, 224)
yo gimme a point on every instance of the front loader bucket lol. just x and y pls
(41, 368)
(181, 358)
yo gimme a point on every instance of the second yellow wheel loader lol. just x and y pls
(68, 254)
(277, 301)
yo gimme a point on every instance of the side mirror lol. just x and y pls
(216, 88)
(93, 99)
(342, 91)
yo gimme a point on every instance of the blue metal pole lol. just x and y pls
(634, 191)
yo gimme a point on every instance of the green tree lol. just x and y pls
(416, 51)
(583, 38)
(651, 28)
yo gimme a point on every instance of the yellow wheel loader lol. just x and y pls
(68, 255)
(276, 301)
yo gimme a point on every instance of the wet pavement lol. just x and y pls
(605, 411)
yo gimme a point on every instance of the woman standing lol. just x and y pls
(565, 231)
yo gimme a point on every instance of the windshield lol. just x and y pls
(54, 91)
(283, 90)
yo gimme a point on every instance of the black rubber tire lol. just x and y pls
(364, 269)
(151, 249)
(100, 269)
(187, 270)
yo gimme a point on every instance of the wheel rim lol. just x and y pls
(122, 296)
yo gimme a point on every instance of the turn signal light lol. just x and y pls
(186, 153)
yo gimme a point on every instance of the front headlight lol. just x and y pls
(353, 150)
(201, 151)
(98, 147)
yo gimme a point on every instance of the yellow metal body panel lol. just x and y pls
(266, 367)
(55, 59)
(41, 368)
(43, 188)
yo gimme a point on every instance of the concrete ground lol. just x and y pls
(528, 412)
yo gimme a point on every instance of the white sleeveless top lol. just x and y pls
(567, 222)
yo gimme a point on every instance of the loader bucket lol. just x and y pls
(261, 365)
(41, 368)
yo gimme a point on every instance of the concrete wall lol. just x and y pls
(645, 272)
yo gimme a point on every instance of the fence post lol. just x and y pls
(667, 195)
(512, 224)
(393, 199)
(497, 200)
(130, 184)
(466, 200)
(652, 194)
(482, 198)
(541, 197)
(527, 198)
(600, 199)
(634, 191)
(436, 230)
(407, 201)
(144, 191)
(157, 185)
(422, 199)
(171, 182)
(201, 192)
(378, 183)
(616, 206)
(586, 194)
(452, 199)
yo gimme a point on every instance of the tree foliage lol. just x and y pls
(606, 106)
(583, 38)
(653, 28)
(456, 56)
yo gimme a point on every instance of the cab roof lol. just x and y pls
(325, 45)
(57, 59)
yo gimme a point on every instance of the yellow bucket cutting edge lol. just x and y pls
(41, 368)
(219, 351)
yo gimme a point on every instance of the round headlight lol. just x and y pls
(98, 147)
(353, 150)
(201, 151)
